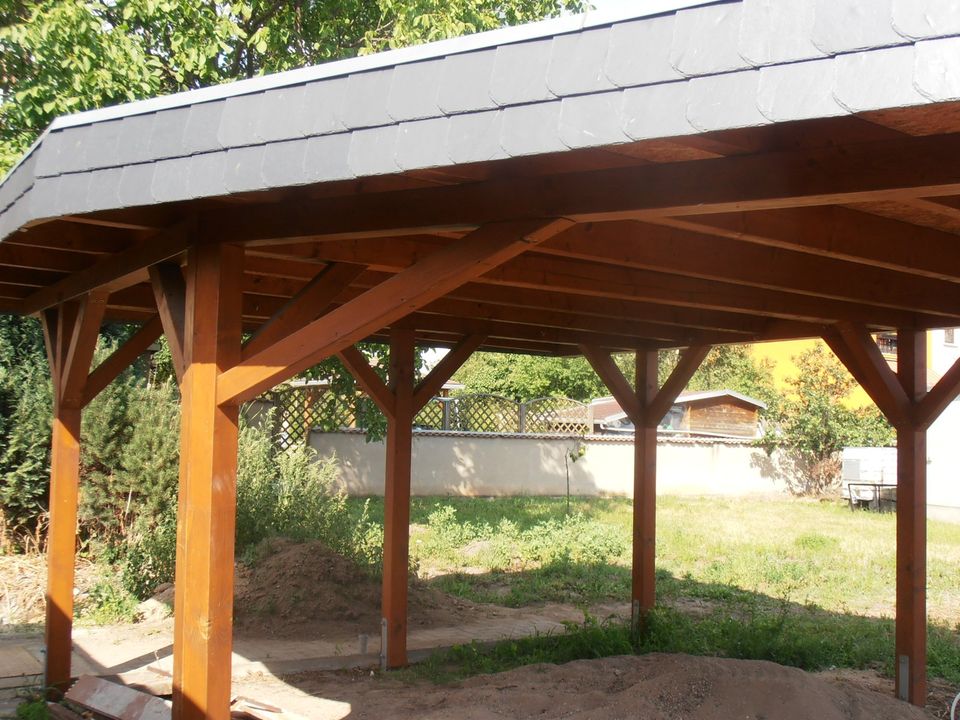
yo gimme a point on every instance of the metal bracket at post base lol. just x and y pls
(383, 644)
(903, 680)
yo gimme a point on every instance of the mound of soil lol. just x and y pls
(653, 687)
(305, 590)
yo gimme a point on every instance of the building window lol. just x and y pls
(887, 343)
(948, 337)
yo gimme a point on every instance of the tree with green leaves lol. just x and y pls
(525, 377)
(64, 56)
(817, 421)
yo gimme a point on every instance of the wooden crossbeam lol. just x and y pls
(307, 305)
(666, 396)
(122, 358)
(170, 294)
(368, 379)
(424, 282)
(113, 272)
(429, 386)
(832, 175)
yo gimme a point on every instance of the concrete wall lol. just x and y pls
(489, 465)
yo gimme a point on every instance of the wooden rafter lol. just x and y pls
(113, 272)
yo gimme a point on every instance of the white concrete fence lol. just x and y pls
(502, 464)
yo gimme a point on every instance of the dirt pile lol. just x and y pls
(305, 590)
(653, 687)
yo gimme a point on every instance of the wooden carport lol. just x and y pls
(717, 173)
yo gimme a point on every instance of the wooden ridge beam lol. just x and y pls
(122, 358)
(170, 295)
(428, 280)
(307, 305)
(368, 380)
(429, 386)
(832, 175)
(114, 271)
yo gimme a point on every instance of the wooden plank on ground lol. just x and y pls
(116, 701)
(246, 708)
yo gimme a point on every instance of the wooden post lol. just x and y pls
(203, 623)
(70, 333)
(644, 595)
(911, 631)
(61, 543)
(396, 524)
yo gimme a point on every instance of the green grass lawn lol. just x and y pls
(799, 582)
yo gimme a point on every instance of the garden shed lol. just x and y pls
(674, 174)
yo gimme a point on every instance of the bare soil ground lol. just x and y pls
(305, 590)
(652, 687)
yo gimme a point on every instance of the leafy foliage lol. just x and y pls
(525, 377)
(64, 56)
(817, 421)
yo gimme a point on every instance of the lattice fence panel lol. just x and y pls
(555, 415)
(431, 417)
(484, 413)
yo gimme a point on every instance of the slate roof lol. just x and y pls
(679, 68)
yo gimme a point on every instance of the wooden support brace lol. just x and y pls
(169, 291)
(616, 383)
(429, 386)
(368, 379)
(122, 358)
(306, 306)
(929, 408)
(880, 382)
(666, 396)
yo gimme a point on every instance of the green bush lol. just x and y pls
(108, 603)
(33, 709)
(151, 556)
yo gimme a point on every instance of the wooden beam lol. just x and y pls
(837, 232)
(691, 254)
(122, 358)
(426, 281)
(169, 292)
(37, 258)
(62, 545)
(644, 579)
(396, 501)
(666, 396)
(833, 175)
(304, 307)
(933, 403)
(616, 383)
(368, 379)
(203, 619)
(911, 621)
(82, 345)
(429, 386)
(881, 382)
(112, 272)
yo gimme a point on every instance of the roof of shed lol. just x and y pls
(730, 165)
